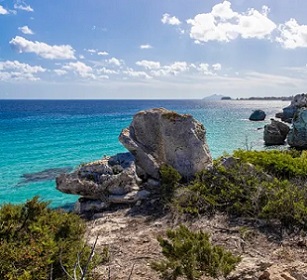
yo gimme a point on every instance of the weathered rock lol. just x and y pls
(257, 115)
(84, 205)
(100, 180)
(275, 133)
(298, 101)
(250, 268)
(159, 136)
(279, 115)
(297, 136)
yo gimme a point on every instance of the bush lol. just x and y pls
(191, 254)
(242, 189)
(283, 164)
(169, 182)
(36, 239)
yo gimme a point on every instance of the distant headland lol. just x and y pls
(216, 97)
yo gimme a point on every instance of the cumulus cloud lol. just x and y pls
(26, 30)
(144, 47)
(91, 51)
(15, 70)
(80, 69)
(148, 64)
(44, 50)
(114, 61)
(217, 67)
(292, 35)
(136, 74)
(60, 72)
(3, 11)
(103, 53)
(23, 6)
(171, 20)
(223, 24)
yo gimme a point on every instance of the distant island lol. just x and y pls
(217, 97)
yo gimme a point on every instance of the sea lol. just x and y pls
(39, 139)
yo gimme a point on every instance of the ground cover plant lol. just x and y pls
(41, 243)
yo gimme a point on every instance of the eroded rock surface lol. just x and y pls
(297, 136)
(275, 133)
(110, 180)
(159, 136)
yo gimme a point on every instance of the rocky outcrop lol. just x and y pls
(275, 133)
(297, 136)
(257, 115)
(298, 101)
(100, 183)
(159, 136)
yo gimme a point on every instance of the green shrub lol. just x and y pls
(169, 182)
(191, 254)
(283, 164)
(36, 239)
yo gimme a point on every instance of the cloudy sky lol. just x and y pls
(152, 48)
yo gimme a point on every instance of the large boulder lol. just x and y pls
(297, 136)
(100, 183)
(159, 136)
(257, 115)
(275, 133)
(298, 101)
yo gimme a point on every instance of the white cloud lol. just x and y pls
(44, 50)
(292, 35)
(167, 19)
(3, 11)
(148, 64)
(80, 68)
(91, 51)
(23, 7)
(15, 70)
(81, 56)
(104, 70)
(103, 53)
(136, 74)
(217, 67)
(223, 24)
(60, 72)
(26, 30)
(144, 47)
(172, 69)
(114, 61)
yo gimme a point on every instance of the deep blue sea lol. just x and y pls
(40, 138)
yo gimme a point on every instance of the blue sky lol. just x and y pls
(152, 48)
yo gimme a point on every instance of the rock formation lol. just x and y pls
(257, 115)
(298, 101)
(297, 136)
(159, 136)
(275, 133)
(155, 137)
(100, 183)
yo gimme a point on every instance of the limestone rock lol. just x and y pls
(159, 136)
(257, 115)
(101, 179)
(297, 136)
(275, 133)
(298, 101)
(250, 268)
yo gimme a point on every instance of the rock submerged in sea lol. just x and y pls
(275, 133)
(155, 137)
(159, 136)
(257, 115)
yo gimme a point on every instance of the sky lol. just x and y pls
(152, 49)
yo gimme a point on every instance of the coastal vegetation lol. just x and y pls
(266, 185)
(41, 243)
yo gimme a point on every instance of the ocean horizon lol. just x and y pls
(41, 138)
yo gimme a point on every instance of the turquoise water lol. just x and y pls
(41, 136)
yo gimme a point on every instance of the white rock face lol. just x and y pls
(159, 136)
(110, 180)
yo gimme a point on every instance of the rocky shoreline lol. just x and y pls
(120, 195)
